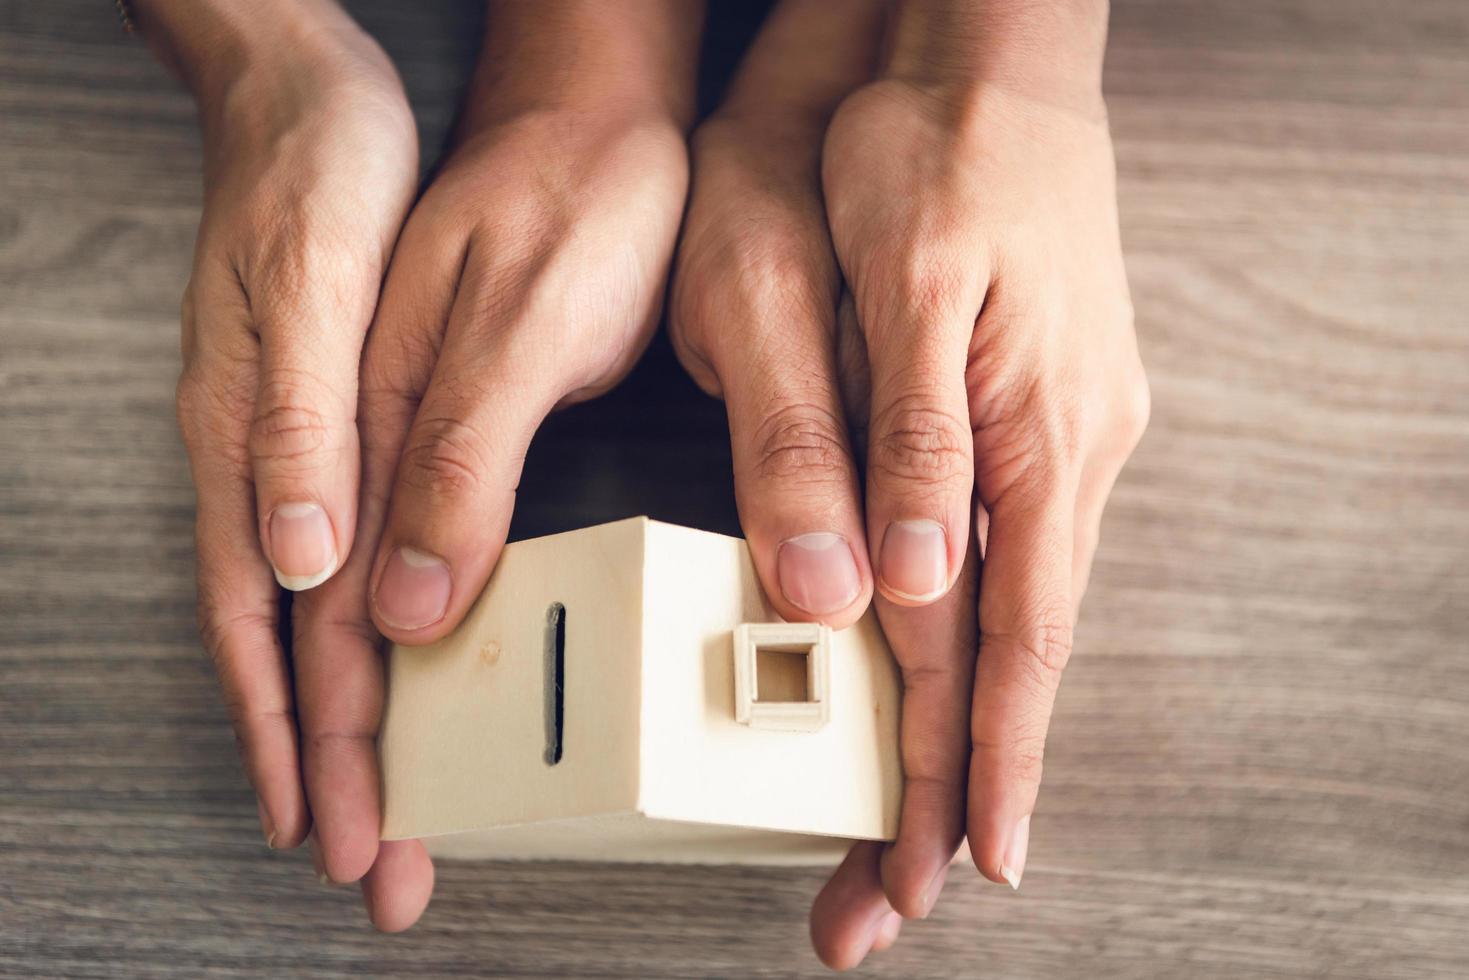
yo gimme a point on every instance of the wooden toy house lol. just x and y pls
(625, 693)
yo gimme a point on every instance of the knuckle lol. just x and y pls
(1034, 444)
(921, 444)
(757, 284)
(800, 444)
(336, 747)
(287, 427)
(1049, 415)
(446, 458)
(219, 630)
(212, 629)
(1040, 651)
(213, 414)
(1136, 410)
(1020, 756)
(935, 749)
(233, 637)
(1047, 647)
(762, 267)
(384, 398)
(191, 400)
(397, 362)
(305, 256)
(215, 625)
(1053, 452)
(908, 284)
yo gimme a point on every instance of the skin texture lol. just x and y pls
(900, 268)
(558, 225)
(979, 374)
(530, 274)
(310, 164)
(495, 310)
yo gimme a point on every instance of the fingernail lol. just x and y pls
(267, 825)
(887, 933)
(914, 563)
(303, 550)
(413, 591)
(318, 862)
(931, 894)
(817, 572)
(1014, 864)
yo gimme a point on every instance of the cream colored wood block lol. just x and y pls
(669, 746)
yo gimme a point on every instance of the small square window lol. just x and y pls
(782, 676)
(781, 672)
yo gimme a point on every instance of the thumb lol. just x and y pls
(454, 492)
(303, 436)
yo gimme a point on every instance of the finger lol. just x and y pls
(454, 490)
(397, 889)
(795, 480)
(772, 352)
(850, 911)
(758, 263)
(311, 315)
(339, 669)
(339, 682)
(887, 933)
(238, 612)
(920, 467)
(239, 622)
(935, 647)
(1026, 618)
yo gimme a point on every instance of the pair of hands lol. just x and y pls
(863, 252)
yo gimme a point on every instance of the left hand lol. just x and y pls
(311, 160)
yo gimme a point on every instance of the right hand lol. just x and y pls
(311, 162)
(530, 275)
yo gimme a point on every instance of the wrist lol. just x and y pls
(635, 58)
(810, 55)
(1047, 50)
(213, 45)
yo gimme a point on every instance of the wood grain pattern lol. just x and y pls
(1258, 766)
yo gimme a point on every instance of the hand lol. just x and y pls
(990, 354)
(530, 275)
(757, 318)
(979, 240)
(310, 164)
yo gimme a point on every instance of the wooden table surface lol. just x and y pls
(1258, 764)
